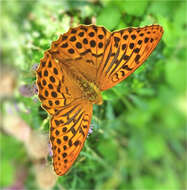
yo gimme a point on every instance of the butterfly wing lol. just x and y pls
(125, 51)
(92, 53)
(71, 115)
(69, 129)
(56, 88)
(82, 49)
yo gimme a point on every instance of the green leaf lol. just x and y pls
(163, 8)
(108, 148)
(134, 8)
(109, 17)
(155, 147)
(175, 74)
(6, 173)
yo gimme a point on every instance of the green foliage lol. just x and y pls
(138, 10)
(7, 168)
(138, 139)
(111, 13)
(15, 150)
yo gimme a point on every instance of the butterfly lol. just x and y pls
(83, 62)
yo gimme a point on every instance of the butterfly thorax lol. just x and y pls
(90, 92)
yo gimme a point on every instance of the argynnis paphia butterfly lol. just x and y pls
(80, 64)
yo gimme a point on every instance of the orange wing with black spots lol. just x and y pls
(82, 48)
(125, 51)
(62, 98)
(56, 87)
(69, 129)
(81, 63)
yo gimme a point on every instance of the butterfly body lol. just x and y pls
(89, 90)
(79, 65)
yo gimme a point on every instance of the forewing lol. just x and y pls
(125, 51)
(82, 49)
(69, 129)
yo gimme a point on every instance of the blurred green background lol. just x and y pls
(139, 138)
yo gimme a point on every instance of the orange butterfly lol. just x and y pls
(80, 64)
